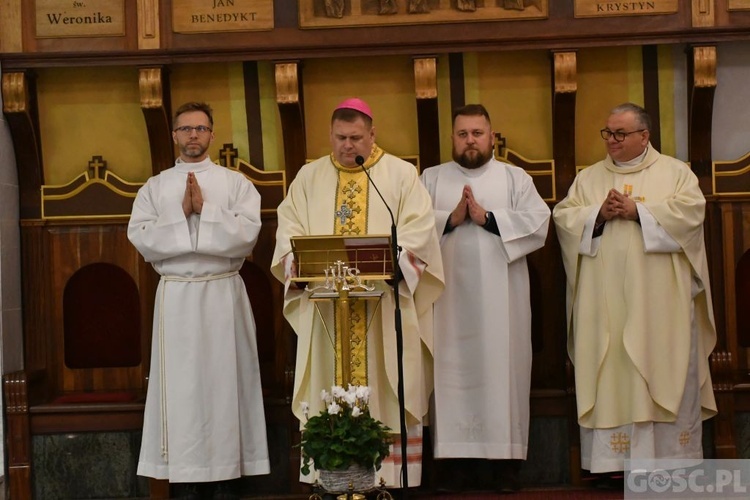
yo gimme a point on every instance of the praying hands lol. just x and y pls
(192, 202)
(617, 205)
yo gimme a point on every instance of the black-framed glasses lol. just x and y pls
(187, 129)
(618, 135)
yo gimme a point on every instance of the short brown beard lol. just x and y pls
(466, 162)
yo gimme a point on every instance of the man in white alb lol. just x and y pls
(490, 217)
(195, 223)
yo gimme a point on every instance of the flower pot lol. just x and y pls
(360, 478)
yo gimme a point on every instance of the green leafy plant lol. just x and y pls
(344, 433)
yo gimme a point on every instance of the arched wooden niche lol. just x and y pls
(101, 318)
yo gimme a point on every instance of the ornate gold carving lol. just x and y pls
(287, 83)
(565, 72)
(148, 24)
(150, 84)
(704, 64)
(425, 77)
(15, 96)
(703, 13)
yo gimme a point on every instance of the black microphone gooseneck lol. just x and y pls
(359, 160)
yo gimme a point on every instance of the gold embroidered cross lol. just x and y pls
(351, 189)
(684, 438)
(619, 442)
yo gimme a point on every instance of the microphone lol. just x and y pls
(359, 160)
(395, 249)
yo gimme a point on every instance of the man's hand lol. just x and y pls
(458, 216)
(477, 213)
(187, 202)
(196, 197)
(624, 205)
(617, 205)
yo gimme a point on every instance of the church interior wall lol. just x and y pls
(731, 119)
(91, 111)
(385, 82)
(91, 105)
(515, 88)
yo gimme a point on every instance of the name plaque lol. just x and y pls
(739, 5)
(214, 16)
(613, 8)
(79, 18)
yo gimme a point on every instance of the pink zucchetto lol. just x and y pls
(357, 105)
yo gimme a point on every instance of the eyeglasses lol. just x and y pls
(618, 135)
(187, 129)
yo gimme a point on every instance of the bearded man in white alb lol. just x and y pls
(640, 323)
(195, 223)
(491, 217)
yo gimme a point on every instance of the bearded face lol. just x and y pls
(472, 141)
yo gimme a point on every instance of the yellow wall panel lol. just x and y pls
(606, 77)
(216, 84)
(386, 83)
(515, 88)
(85, 112)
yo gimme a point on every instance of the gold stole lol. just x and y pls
(352, 195)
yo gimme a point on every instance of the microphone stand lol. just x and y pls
(395, 250)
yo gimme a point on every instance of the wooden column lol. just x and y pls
(701, 89)
(565, 86)
(252, 111)
(155, 105)
(425, 83)
(22, 113)
(289, 98)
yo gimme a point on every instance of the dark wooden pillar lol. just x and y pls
(289, 98)
(156, 106)
(701, 89)
(22, 113)
(565, 86)
(252, 111)
(651, 92)
(425, 83)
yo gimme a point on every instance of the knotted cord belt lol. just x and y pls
(162, 367)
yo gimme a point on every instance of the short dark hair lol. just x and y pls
(195, 106)
(350, 115)
(641, 115)
(471, 110)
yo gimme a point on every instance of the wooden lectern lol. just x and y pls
(338, 268)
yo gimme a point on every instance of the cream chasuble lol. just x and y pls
(329, 199)
(638, 307)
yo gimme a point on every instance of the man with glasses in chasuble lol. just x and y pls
(640, 323)
(195, 223)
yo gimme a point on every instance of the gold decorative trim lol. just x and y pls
(425, 77)
(148, 24)
(15, 95)
(150, 85)
(566, 76)
(243, 166)
(550, 172)
(716, 173)
(287, 83)
(704, 13)
(704, 64)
